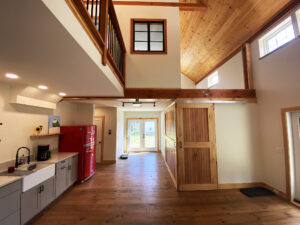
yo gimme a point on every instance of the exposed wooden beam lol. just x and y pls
(283, 12)
(182, 5)
(247, 66)
(194, 94)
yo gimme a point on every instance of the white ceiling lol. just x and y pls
(161, 104)
(35, 45)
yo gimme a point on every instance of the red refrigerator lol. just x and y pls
(81, 139)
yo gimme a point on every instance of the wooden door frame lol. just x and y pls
(180, 150)
(103, 132)
(287, 150)
(157, 132)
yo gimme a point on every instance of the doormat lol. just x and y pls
(256, 192)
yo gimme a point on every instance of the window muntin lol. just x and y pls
(149, 36)
(213, 79)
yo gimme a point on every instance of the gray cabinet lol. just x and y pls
(30, 203)
(35, 199)
(66, 174)
(61, 177)
(13, 219)
(10, 204)
(73, 170)
(47, 192)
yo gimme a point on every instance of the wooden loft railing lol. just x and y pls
(98, 18)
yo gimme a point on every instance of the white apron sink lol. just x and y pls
(40, 174)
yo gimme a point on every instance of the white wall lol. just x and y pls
(85, 114)
(120, 132)
(187, 83)
(67, 18)
(19, 122)
(231, 75)
(143, 114)
(238, 152)
(276, 80)
(152, 71)
(110, 141)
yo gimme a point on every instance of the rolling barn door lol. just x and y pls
(196, 149)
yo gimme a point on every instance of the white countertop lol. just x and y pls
(5, 180)
(57, 157)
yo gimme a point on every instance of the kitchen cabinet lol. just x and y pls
(66, 174)
(48, 192)
(62, 172)
(73, 170)
(36, 198)
(10, 204)
(13, 219)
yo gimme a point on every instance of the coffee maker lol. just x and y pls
(43, 153)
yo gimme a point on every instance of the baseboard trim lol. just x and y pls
(295, 203)
(251, 185)
(107, 162)
(277, 192)
(238, 185)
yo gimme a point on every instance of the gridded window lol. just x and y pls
(148, 36)
(277, 37)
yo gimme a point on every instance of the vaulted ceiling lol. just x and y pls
(210, 36)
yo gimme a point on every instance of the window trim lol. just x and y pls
(148, 52)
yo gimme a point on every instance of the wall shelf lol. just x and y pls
(45, 135)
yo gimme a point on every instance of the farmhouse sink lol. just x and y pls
(32, 177)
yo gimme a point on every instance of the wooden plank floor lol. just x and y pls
(139, 191)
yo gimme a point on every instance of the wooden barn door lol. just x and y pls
(196, 149)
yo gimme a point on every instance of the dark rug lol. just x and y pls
(124, 156)
(256, 192)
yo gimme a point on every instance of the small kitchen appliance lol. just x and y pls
(43, 153)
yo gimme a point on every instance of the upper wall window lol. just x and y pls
(148, 36)
(284, 32)
(213, 79)
(298, 18)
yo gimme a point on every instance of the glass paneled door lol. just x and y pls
(142, 135)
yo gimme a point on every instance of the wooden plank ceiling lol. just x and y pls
(209, 37)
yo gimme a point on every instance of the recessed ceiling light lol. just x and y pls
(62, 94)
(11, 76)
(43, 87)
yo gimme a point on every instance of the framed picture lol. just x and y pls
(54, 124)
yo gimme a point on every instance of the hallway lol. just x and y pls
(139, 191)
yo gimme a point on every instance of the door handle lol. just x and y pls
(99, 142)
(180, 144)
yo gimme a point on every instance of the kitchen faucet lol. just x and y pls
(17, 156)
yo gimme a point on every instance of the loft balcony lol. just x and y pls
(70, 45)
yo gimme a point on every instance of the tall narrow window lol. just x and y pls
(213, 79)
(148, 36)
(298, 18)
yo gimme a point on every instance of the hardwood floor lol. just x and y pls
(139, 191)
